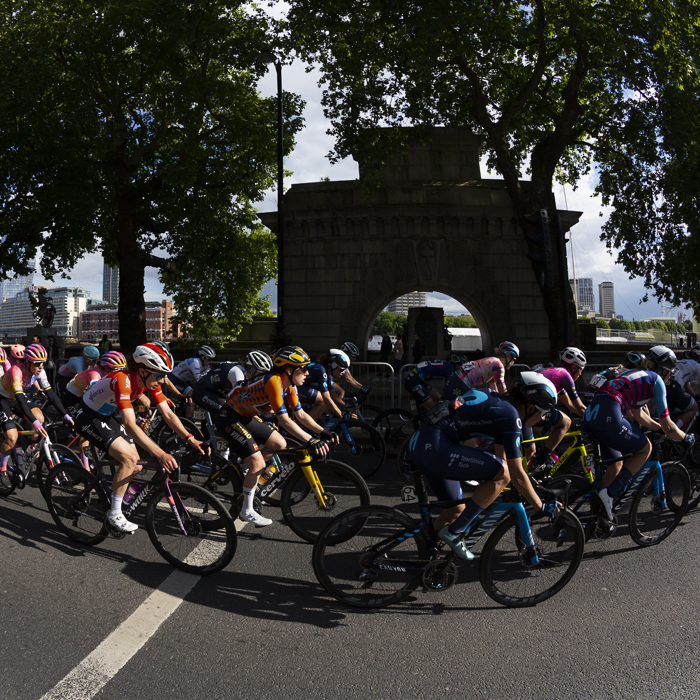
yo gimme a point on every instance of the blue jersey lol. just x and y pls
(319, 378)
(433, 369)
(637, 387)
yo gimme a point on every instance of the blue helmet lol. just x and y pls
(508, 348)
(90, 352)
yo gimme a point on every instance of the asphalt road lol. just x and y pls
(263, 629)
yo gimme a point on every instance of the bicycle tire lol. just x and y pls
(77, 503)
(341, 557)
(403, 462)
(60, 454)
(395, 425)
(208, 541)
(369, 412)
(13, 476)
(167, 439)
(693, 467)
(509, 579)
(343, 488)
(585, 510)
(216, 475)
(368, 451)
(650, 525)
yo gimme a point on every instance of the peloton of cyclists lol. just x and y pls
(188, 372)
(76, 365)
(315, 393)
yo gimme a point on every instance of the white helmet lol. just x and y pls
(339, 358)
(154, 358)
(207, 352)
(573, 356)
(259, 361)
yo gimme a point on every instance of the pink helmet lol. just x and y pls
(35, 353)
(17, 352)
(113, 361)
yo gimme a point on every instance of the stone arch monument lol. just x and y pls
(433, 225)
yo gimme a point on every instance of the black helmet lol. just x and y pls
(457, 359)
(663, 357)
(634, 359)
(536, 388)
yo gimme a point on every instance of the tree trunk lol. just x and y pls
(132, 306)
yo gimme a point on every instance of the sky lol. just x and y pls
(309, 163)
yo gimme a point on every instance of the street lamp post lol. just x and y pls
(266, 57)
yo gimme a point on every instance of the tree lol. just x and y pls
(540, 80)
(388, 322)
(461, 321)
(602, 323)
(135, 128)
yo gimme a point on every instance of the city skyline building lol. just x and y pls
(606, 296)
(402, 304)
(584, 293)
(11, 288)
(110, 284)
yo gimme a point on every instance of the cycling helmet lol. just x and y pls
(206, 352)
(113, 361)
(154, 358)
(695, 350)
(662, 357)
(351, 349)
(634, 359)
(35, 353)
(90, 352)
(3, 355)
(537, 389)
(573, 356)
(339, 358)
(508, 348)
(259, 361)
(456, 359)
(17, 352)
(291, 356)
(161, 344)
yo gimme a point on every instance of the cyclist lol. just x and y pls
(4, 362)
(111, 361)
(416, 382)
(315, 392)
(681, 395)
(438, 453)
(27, 372)
(239, 421)
(76, 365)
(632, 360)
(211, 390)
(487, 370)
(606, 419)
(189, 371)
(337, 392)
(115, 393)
(564, 375)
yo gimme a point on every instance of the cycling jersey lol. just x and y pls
(686, 371)
(117, 390)
(74, 366)
(189, 370)
(635, 388)
(433, 369)
(562, 380)
(5, 367)
(262, 395)
(477, 373)
(17, 380)
(319, 378)
(224, 379)
(82, 381)
(599, 380)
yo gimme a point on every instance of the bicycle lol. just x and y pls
(312, 489)
(396, 425)
(373, 556)
(41, 454)
(658, 497)
(187, 525)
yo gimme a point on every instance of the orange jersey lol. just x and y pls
(117, 391)
(263, 394)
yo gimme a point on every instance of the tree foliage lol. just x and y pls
(550, 85)
(461, 321)
(390, 323)
(136, 129)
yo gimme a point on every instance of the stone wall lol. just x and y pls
(432, 225)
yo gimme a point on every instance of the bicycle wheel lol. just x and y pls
(14, 477)
(395, 425)
(343, 488)
(77, 503)
(403, 462)
(506, 573)
(214, 474)
(369, 412)
(60, 454)
(579, 500)
(361, 447)
(649, 522)
(167, 439)
(360, 560)
(193, 531)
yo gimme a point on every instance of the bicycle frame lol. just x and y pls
(576, 446)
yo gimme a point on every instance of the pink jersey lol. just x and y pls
(562, 380)
(17, 379)
(486, 370)
(82, 381)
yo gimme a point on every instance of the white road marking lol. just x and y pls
(100, 666)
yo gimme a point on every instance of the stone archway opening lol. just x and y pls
(429, 314)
